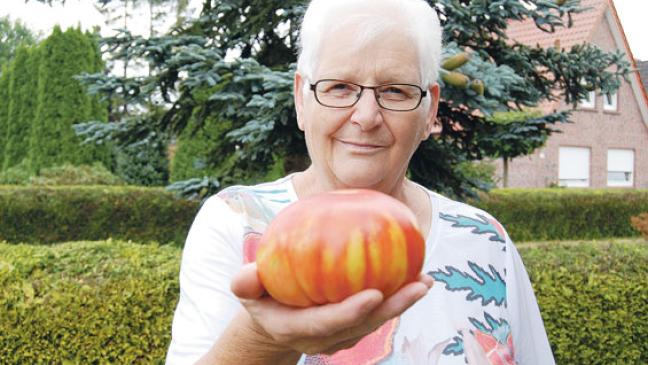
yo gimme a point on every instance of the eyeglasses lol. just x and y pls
(343, 94)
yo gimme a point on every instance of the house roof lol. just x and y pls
(527, 33)
(643, 72)
(584, 24)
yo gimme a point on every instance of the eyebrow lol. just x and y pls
(380, 81)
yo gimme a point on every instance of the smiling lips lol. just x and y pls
(361, 146)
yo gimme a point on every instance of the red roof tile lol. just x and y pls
(581, 31)
(527, 33)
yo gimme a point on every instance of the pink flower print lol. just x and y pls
(496, 352)
(250, 246)
(369, 351)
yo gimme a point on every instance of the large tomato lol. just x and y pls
(329, 246)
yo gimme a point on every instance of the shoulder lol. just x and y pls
(242, 198)
(453, 215)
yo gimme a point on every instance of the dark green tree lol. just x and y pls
(254, 93)
(12, 35)
(191, 157)
(4, 105)
(62, 102)
(23, 87)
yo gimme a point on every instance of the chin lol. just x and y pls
(354, 180)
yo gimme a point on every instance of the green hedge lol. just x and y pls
(594, 300)
(565, 214)
(87, 302)
(113, 302)
(46, 214)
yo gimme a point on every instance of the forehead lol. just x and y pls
(389, 55)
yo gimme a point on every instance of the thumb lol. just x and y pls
(246, 283)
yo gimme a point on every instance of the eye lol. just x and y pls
(340, 86)
(398, 92)
(337, 88)
(392, 90)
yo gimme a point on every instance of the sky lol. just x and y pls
(42, 17)
(82, 12)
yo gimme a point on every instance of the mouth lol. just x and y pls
(361, 146)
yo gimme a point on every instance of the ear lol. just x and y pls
(431, 123)
(298, 94)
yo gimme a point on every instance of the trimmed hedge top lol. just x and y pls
(113, 301)
(565, 214)
(46, 214)
(594, 300)
(87, 302)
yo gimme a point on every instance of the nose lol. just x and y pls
(366, 112)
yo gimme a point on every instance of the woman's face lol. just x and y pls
(364, 146)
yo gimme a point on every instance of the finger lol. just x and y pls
(399, 302)
(287, 323)
(351, 312)
(392, 307)
(426, 279)
(246, 283)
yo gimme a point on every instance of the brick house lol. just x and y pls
(607, 143)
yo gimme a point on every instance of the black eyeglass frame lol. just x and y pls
(313, 88)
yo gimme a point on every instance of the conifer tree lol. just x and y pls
(191, 158)
(4, 105)
(254, 91)
(62, 102)
(21, 105)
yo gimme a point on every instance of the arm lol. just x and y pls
(267, 332)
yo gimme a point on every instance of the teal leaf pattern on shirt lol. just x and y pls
(456, 347)
(480, 225)
(489, 287)
(500, 330)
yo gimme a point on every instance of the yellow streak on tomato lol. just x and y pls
(328, 271)
(398, 267)
(375, 260)
(356, 265)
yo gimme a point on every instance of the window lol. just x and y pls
(610, 102)
(620, 167)
(574, 167)
(589, 102)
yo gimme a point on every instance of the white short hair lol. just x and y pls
(372, 17)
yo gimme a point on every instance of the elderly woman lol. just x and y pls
(365, 97)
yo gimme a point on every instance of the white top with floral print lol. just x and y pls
(480, 311)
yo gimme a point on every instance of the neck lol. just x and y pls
(309, 182)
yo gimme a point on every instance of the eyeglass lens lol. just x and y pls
(340, 94)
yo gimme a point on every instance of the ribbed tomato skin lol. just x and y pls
(329, 246)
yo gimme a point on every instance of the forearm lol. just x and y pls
(243, 344)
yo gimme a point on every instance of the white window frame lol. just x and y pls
(611, 102)
(589, 102)
(574, 166)
(620, 161)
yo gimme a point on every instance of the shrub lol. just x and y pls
(640, 223)
(16, 175)
(144, 163)
(87, 302)
(67, 174)
(46, 214)
(191, 158)
(113, 301)
(594, 300)
(565, 214)
(483, 171)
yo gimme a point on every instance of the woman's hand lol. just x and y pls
(325, 328)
